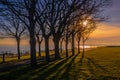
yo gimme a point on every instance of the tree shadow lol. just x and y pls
(42, 71)
(92, 62)
(71, 68)
(53, 72)
(63, 73)
(80, 70)
(98, 72)
(23, 72)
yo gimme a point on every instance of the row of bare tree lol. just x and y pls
(56, 19)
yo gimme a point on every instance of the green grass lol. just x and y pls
(98, 64)
(24, 57)
(8, 59)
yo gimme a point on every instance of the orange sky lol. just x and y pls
(12, 42)
(104, 34)
(106, 30)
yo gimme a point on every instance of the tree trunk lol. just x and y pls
(39, 45)
(61, 46)
(56, 44)
(32, 48)
(73, 48)
(31, 29)
(18, 48)
(47, 48)
(3, 57)
(78, 46)
(83, 48)
(66, 47)
(39, 49)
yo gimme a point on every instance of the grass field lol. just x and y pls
(24, 57)
(98, 64)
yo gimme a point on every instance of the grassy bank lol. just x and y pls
(100, 63)
(23, 57)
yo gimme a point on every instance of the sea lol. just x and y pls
(24, 49)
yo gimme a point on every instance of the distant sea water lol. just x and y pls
(13, 49)
(87, 46)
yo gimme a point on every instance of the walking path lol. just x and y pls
(8, 66)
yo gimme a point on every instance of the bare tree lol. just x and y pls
(53, 16)
(78, 38)
(88, 27)
(25, 10)
(59, 15)
(13, 28)
(67, 39)
(91, 10)
(44, 23)
(73, 30)
(39, 39)
(61, 44)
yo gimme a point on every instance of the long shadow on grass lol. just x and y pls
(97, 66)
(63, 72)
(23, 72)
(41, 72)
(54, 71)
(80, 69)
(71, 70)
(26, 72)
(94, 68)
(63, 69)
(45, 71)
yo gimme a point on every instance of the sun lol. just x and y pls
(85, 22)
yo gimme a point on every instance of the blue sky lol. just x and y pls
(114, 12)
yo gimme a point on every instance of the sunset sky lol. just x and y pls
(107, 33)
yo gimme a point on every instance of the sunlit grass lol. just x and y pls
(98, 64)
(108, 58)
(24, 57)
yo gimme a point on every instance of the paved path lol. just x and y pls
(8, 66)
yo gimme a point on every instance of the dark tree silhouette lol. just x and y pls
(11, 27)
(54, 18)
(88, 27)
(73, 30)
(66, 40)
(60, 14)
(78, 38)
(46, 35)
(90, 10)
(39, 39)
(61, 45)
(25, 10)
